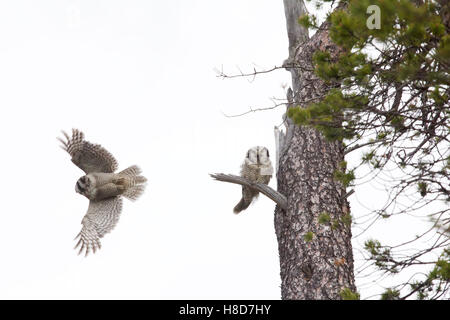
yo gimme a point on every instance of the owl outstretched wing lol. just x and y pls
(87, 156)
(101, 217)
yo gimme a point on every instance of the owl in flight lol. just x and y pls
(101, 186)
(257, 168)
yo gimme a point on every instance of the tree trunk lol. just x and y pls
(316, 259)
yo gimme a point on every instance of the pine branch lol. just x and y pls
(275, 196)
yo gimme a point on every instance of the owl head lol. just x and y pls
(83, 185)
(258, 156)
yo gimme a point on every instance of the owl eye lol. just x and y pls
(248, 154)
(267, 153)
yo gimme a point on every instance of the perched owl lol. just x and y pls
(257, 168)
(102, 187)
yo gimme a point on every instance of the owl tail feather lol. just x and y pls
(136, 182)
(242, 205)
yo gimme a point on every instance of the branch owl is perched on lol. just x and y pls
(102, 187)
(257, 168)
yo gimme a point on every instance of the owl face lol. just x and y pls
(257, 156)
(83, 185)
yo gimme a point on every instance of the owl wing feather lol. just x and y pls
(87, 156)
(101, 217)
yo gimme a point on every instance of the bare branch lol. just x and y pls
(348, 194)
(357, 146)
(275, 196)
(221, 74)
(251, 110)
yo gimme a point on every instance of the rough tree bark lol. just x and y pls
(317, 268)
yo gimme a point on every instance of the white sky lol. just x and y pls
(138, 77)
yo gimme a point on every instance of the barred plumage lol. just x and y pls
(102, 187)
(101, 217)
(87, 156)
(257, 168)
(136, 182)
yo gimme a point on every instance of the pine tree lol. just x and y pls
(372, 79)
(386, 94)
(313, 232)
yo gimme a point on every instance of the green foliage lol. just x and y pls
(435, 281)
(417, 286)
(387, 91)
(347, 219)
(401, 20)
(397, 122)
(347, 294)
(308, 236)
(380, 255)
(443, 50)
(335, 224)
(382, 135)
(373, 246)
(325, 115)
(343, 165)
(390, 294)
(308, 21)
(439, 98)
(403, 23)
(324, 218)
(345, 178)
(368, 156)
(422, 186)
(442, 267)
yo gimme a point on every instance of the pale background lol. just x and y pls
(138, 77)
